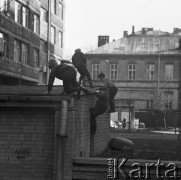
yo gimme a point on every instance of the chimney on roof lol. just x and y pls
(133, 31)
(149, 29)
(143, 32)
(102, 40)
(125, 33)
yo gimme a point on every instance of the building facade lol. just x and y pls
(32, 32)
(145, 66)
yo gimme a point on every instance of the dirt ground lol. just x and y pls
(147, 145)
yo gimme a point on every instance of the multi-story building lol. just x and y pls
(31, 32)
(145, 66)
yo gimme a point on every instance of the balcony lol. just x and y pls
(18, 70)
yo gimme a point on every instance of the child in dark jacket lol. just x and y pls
(100, 107)
(65, 73)
(79, 61)
(112, 90)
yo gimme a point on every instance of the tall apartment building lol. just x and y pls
(31, 32)
(145, 66)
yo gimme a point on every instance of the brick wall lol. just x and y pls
(102, 136)
(84, 143)
(29, 146)
(79, 142)
(81, 115)
(26, 143)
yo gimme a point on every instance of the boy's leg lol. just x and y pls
(100, 108)
(85, 73)
(81, 72)
(112, 95)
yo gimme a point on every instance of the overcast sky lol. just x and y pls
(86, 19)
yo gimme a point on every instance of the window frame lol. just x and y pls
(17, 50)
(52, 37)
(25, 54)
(60, 39)
(168, 101)
(36, 62)
(44, 14)
(150, 72)
(53, 6)
(17, 12)
(5, 46)
(169, 72)
(131, 71)
(4, 4)
(25, 16)
(113, 71)
(149, 104)
(36, 22)
(95, 71)
(61, 10)
(43, 50)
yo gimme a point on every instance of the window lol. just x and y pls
(52, 35)
(44, 15)
(149, 104)
(25, 16)
(95, 71)
(17, 51)
(60, 39)
(35, 57)
(168, 97)
(169, 72)
(17, 12)
(61, 10)
(36, 23)
(150, 71)
(24, 54)
(131, 71)
(4, 44)
(43, 49)
(4, 5)
(114, 71)
(53, 6)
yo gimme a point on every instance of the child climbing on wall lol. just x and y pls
(112, 89)
(100, 107)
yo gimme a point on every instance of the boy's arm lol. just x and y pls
(51, 81)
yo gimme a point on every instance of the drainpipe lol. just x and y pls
(48, 40)
(61, 136)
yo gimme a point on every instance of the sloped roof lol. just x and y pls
(152, 42)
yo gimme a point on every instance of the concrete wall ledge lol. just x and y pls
(31, 98)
